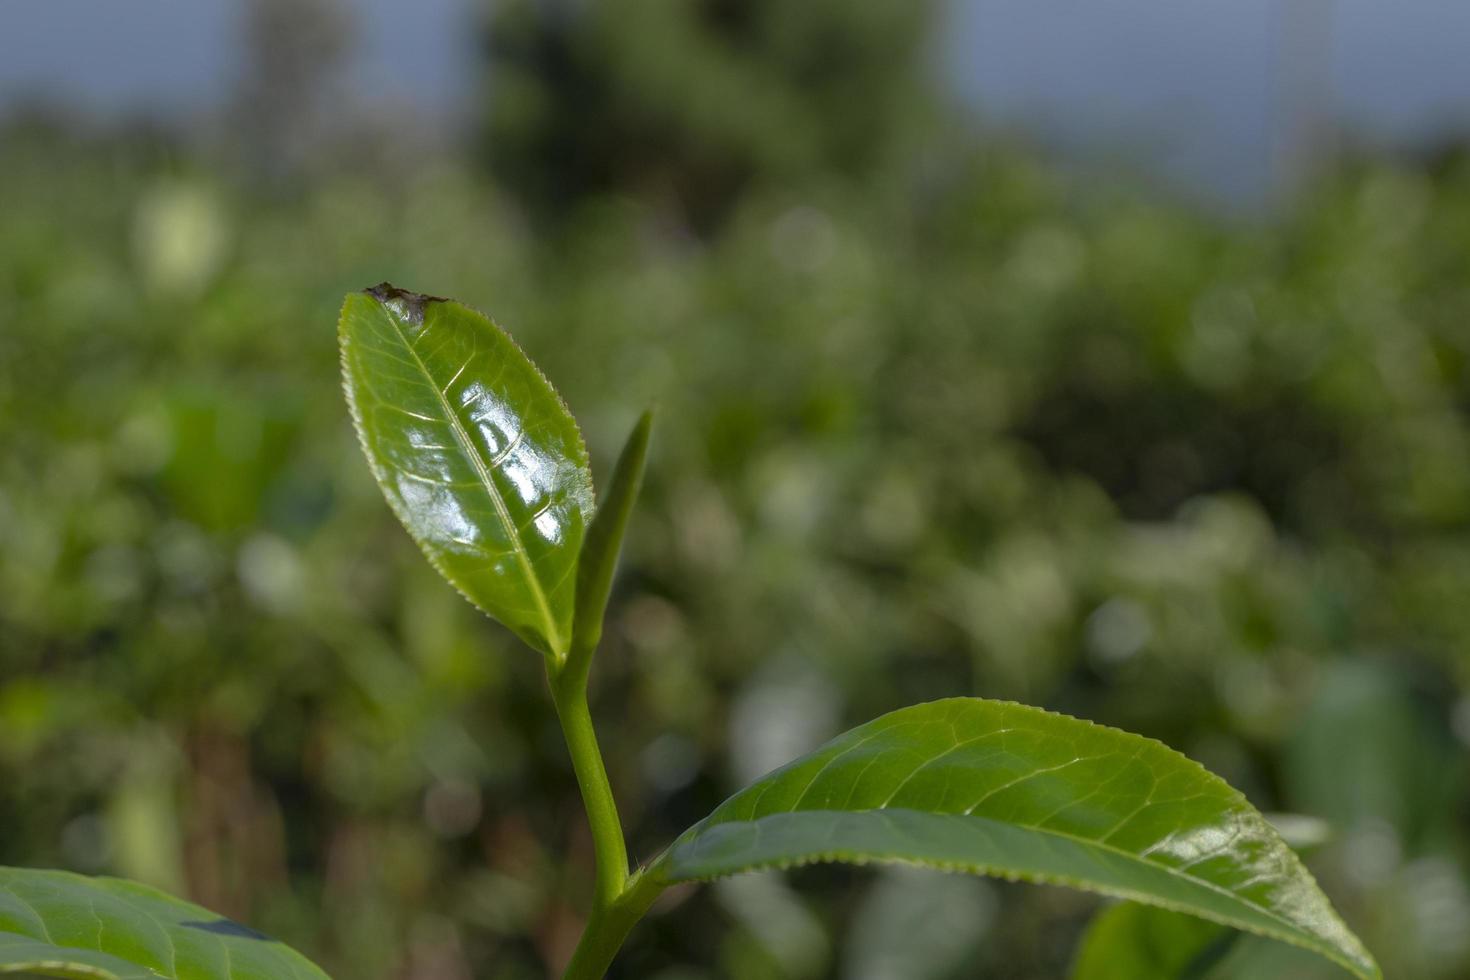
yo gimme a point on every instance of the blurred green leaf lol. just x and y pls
(1145, 942)
(1363, 719)
(476, 453)
(997, 788)
(57, 924)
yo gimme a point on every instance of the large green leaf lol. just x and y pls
(998, 788)
(476, 453)
(57, 924)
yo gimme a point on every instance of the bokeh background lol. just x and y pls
(1113, 358)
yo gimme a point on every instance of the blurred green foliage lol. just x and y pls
(952, 425)
(617, 97)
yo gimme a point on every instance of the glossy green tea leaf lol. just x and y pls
(476, 453)
(1145, 942)
(57, 924)
(998, 788)
(604, 540)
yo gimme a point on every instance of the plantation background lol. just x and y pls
(937, 415)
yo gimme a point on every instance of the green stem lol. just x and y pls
(569, 691)
(619, 901)
(608, 927)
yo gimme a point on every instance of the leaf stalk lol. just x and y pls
(607, 928)
(569, 692)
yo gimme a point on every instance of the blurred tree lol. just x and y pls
(689, 101)
(294, 50)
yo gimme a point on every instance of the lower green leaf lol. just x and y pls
(57, 924)
(1003, 789)
(1147, 943)
(1144, 942)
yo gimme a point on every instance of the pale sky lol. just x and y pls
(1202, 93)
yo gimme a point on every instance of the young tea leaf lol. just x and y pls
(605, 537)
(55, 924)
(476, 453)
(998, 788)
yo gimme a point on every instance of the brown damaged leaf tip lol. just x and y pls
(408, 305)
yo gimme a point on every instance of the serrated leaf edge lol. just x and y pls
(1292, 936)
(1368, 970)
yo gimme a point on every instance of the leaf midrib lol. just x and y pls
(159, 924)
(553, 635)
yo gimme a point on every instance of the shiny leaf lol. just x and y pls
(57, 924)
(605, 537)
(476, 453)
(1004, 789)
(1145, 942)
